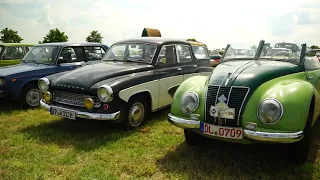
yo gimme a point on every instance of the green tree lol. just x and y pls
(10, 36)
(94, 36)
(55, 35)
(314, 47)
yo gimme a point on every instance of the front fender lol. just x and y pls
(197, 84)
(295, 96)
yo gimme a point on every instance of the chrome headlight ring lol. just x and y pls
(105, 93)
(270, 111)
(43, 84)
(189, 102)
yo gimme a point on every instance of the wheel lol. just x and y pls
(299, 151)
(136, 113)
(30, 96)
(192, 138)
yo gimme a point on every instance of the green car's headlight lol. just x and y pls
(189, 102)
(105, 93)
(270, 111)
(43, 84)
(2, 82)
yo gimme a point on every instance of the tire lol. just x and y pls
(192, 138)
(137, 112)
(299, 151)
(30, 96)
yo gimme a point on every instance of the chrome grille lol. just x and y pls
(74, 99)
(235, 98)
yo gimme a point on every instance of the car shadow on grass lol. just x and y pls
(8, 106)
(222, 160)
(83, 135)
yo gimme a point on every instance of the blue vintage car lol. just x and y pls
(20, 82)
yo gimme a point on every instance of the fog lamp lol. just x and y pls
(88, 103)
(47, 96)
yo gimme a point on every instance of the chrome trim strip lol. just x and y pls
(183, 123)
(85, 115)
(245, 97)
(274, 137)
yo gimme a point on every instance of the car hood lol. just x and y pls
(21, 68)
(250, 73)
(87, 76)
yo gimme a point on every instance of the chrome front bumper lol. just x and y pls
(85, 115)
(248, 134)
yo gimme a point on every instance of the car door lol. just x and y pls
(71, 58)
(186, 60)
(170, 74)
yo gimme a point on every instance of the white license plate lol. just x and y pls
(63, 113)
(221, 131)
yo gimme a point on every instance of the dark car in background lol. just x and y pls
(20, 82)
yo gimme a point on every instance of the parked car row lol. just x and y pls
(259, 92)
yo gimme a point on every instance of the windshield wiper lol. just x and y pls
(24, 61)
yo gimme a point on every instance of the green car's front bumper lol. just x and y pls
(247, 134)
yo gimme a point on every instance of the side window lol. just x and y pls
(71, 54)
(94, 53)
(201, 52)
(12, 53)
(184, 53)
(311, 62)
(167, 55)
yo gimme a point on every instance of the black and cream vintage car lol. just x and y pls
(135, 77)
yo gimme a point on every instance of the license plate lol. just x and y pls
(221, 131)
(63, 113)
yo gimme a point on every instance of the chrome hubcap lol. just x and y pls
(136, 114)
(33, 97)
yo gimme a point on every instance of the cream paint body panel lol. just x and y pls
(158, 90)
(152, 87)
(164, 85)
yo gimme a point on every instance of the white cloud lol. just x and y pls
(216, 23)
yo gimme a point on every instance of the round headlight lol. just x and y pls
(43, 84)
(270, 111)
(47, 96)
(105, 93)
(189, 102)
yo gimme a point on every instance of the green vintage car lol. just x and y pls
(253, 96)
(12, 53)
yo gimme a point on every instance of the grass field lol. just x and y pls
(35, 145)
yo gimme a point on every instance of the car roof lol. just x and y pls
(153, 40)
(65, 44)
(16, 44)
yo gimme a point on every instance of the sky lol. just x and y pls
(216, 23)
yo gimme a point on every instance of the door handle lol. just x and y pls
(195, 66)
(310, 77)
(179, 69)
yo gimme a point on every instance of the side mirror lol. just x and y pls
(61, 60)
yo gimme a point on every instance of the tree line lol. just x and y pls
(54, 35)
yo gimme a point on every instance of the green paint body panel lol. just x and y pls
(286, 82)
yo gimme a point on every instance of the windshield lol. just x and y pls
(201, 52)
(243, 50)
(214, 53)
(41, 55)
(131, 52)
(280, 51)
(284, 51)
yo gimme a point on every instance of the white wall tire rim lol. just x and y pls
(136, 114)
(33, 97)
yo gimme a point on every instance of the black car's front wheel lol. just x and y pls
(30, 96)
(137, 112)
